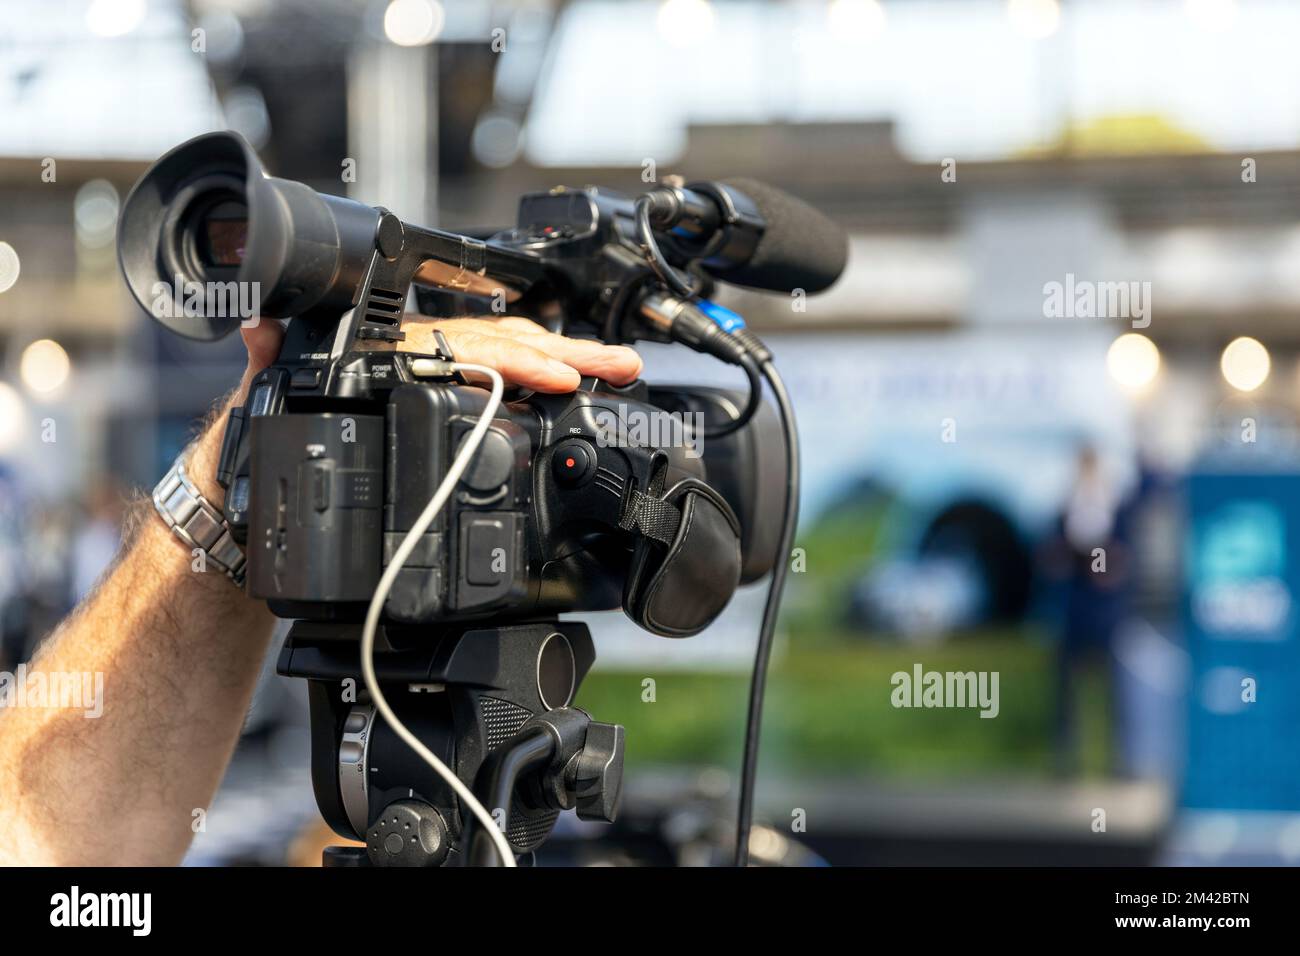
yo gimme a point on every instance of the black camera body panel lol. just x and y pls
(322, 492)
(316, 507)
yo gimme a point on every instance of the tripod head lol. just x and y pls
(495, 703)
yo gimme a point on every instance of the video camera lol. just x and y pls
(654, 499)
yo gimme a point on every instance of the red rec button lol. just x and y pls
(573, 463)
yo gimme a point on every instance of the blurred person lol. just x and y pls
(13, 622)
(34, 543)
(47, 564)
(1089, 559)
(179, 651)
(97, 539)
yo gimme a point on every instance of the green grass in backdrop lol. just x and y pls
(829, 711)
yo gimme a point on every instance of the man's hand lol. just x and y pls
(524, 352)
(178, 648)
(520, 349)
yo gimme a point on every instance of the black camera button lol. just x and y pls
(487, 551)
(320, 478)
(492, 465)
(304, 378)
(573, 463)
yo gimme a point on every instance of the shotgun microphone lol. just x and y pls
(749, 233)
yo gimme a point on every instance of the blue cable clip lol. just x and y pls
(722, 317)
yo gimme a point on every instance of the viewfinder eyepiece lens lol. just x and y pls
(223, 235)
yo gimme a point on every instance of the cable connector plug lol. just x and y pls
(701, 325)
(433, 368)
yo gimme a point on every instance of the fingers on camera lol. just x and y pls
(517, 362)
(538, 359)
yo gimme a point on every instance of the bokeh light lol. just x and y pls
(413, 22)
(95, 213)
(1133, 361)
(44, 366)
(9, 266)
(12, 413)
(1245, 364)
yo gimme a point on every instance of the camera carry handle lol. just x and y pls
(406, 254)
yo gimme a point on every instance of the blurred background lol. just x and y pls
(1048, 413)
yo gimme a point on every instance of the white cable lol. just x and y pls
(435, 505)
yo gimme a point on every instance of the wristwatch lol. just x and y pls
(197, 522)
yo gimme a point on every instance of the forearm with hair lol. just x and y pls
(179, 651)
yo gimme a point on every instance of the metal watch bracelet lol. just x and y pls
(197, 522)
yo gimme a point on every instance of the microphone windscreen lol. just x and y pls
(801, 248)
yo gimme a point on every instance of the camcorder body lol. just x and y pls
(344, 439)
(543, 522)
(660, 500)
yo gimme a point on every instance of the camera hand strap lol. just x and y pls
(686, 564)
(651, 516)
(647, 512)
